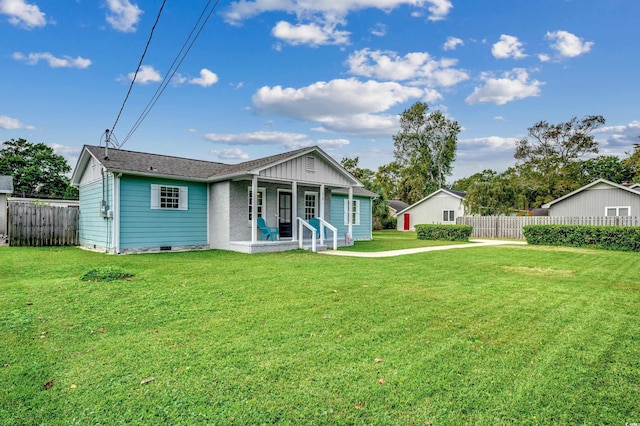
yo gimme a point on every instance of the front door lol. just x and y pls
(284, 214)
(407, 222)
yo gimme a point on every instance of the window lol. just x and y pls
(355, 212)
(448, 215)
(165, 197)
(260, 204)
(617, 211)
(310, 204)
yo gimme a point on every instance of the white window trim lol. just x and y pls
(449, 210)
(315, 204)
(617, 210)
(183, 197)
(356, 211)
(262, 190)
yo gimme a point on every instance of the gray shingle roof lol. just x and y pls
(398, 205)
(154, 164)
(6, 185)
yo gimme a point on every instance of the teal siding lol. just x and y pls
(360, 232)
(142, 227)
(95, 230)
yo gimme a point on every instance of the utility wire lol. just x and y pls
(177, 61)
(133, 80)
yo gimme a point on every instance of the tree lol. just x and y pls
(549, 149)
(634, 162)
(490, 193)
(426, 147)
(603, 167)
(351, 165)
(388, 177)
(36, 170)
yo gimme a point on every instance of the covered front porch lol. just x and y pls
(285, 197)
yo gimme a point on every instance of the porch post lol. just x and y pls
(254, 210)
(294, 210)
(350, 210)
(321, 214)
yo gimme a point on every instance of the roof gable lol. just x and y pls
(455, 194)
(596, 184)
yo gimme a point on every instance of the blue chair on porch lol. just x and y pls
(315, 222)
(267, 232)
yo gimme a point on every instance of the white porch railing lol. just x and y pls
(303, 223)
(323, 224)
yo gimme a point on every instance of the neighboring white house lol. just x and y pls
(599, 198)
(441, 207)
(6, 188)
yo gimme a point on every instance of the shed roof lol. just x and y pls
(455, 194)
(590, 185)
(6, 185)
(398, 205)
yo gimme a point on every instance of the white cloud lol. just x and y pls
(9, 123)
(379, 30)
(284, 139)
(544, 57)
(508, 47)
(499, 118)
(512, 85)
(230, 154)
(328, 9)
(568, 45)
(123, 15)
(417, 66)
(22, 13)
(147, 74)
(490, 142)
(452, 43)
(207, 78)
(310, 34)
(345, 105)
(618, 140)
(54, 62)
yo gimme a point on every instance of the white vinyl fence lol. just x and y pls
(511, 226)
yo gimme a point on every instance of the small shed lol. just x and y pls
(6, 189)
(440, 207)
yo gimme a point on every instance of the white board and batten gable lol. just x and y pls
(599, 198)
(440, 207)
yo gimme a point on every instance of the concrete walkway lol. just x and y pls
(477, 243)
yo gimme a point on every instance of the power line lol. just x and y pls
(177, 61)
(133, 80)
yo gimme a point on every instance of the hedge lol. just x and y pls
(623, 238)
(444, 232)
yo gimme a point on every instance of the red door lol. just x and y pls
(407, 222)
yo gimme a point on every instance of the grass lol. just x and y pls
(487, 335)
(395, 240)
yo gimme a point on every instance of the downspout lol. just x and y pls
(116, 212)
(350, 210)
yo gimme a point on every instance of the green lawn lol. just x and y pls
(483, 335)
(394, 240)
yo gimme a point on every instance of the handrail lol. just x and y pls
(324, 223)
(301, 223)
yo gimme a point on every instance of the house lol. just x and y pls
(440, 207)
(362, 212)
(599, 198)
(136, 202)
(396, 205)
(6, 189)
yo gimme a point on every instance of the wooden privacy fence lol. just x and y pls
(511, 226)
(37, 225)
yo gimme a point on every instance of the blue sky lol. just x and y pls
(267, 76)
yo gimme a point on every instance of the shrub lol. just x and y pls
(107, 273)
(623, 238)
(444, 232)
